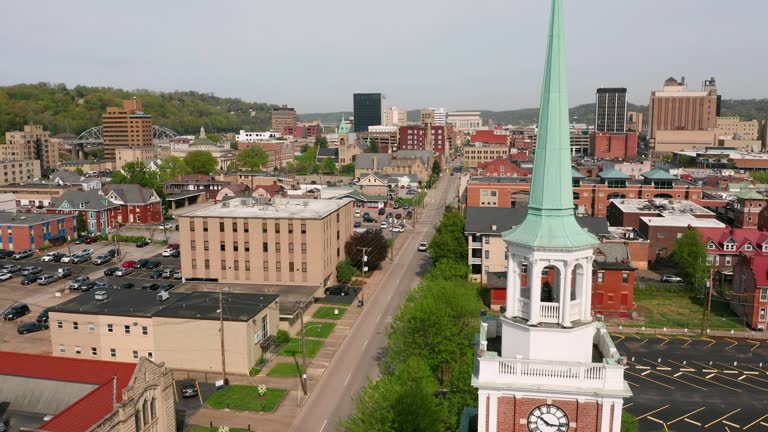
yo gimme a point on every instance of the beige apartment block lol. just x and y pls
(477, 154)
(282, 118)
(19, 171)
(668, 141)
(125, 155)
(182, 330)
(677, 109)
(736, 127)
(291, 241)
(31, 143)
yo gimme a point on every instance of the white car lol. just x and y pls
(398, 228)
(66, 259)
(357, 213)
(5, 276)
(423, 247)
(124, 271)
(166, 225)
(48, 257)
(384, 225)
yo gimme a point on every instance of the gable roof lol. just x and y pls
(612, 256)
(612, 173)
(658, 174)
(739, 236)
(131, 193)
(65, 176)
(365, 160)
(328, 153)
(89, 409)
(90, 200)
(424, 155)
(750, 194)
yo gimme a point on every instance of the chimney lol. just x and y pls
(375, 163)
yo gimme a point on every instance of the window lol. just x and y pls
(234, 226)
(290, 266)
(730, 246)
(277, 227)
(150, 355)
(277, 247)
(748, 247)
(78, 350)
(194, 263)
(62, 349)
(303, 267)
(127, 329)
(144, 330)
(135, 355)
(265, 247)
(290, 247)
(205, 226)
(710, 245)
(303, 248)
(153, 409)
(193, 245)
(245, 226)
(112, 352)
(205, 245)
(237, 265)
(679, 235)
(223, 264)
(487, 254)
(109, 328)
(265, 326)
(266, 266)
(625, 277)
(234, 246)
(192, 226)
(221, 226)
(278, 266)
(145, 412)
(764, 294)
(59, 324)
(207, 264)
(223, 246)
(660, 234)
(290, 228)
(247, 246)
(728, 260)
(303, 228)
(264, 228)
(600, 277)
(75, 326)
(94, 352)
(247, 265)
(487, 239)
(91, 328)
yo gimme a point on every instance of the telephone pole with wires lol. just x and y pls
(221, 332)
(364, 268)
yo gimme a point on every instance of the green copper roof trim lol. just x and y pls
(576, 174)
(750, 194)
(343, 126)
(612, 174)
(658, 174)
(551, 219)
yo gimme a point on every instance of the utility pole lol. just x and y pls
(708, 308)
(303, 349)
(221, 331)
(363, 269)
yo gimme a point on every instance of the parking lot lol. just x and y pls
(692, 384)
(39, 297)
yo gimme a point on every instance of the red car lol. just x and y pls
(90, 240)
(128, 264)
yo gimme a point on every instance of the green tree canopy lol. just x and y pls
(348, 170)
(690, 255)
(376, 248)
(82, 226)
(436, 168)
(138, 173)
(449, 241)
(200, 162)
(321, 141)
(329, 166)
(345, 270)
(372, 146)
(172, 167)
(307, 162)
(253, 159)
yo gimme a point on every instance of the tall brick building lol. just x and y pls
(126, 126)
(283, 117)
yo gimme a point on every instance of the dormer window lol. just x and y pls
(765, 247)
(711, 245)
(748, 247)
(82, 205)
(730, 246)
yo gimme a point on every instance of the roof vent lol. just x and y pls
(163, 296)
(101, 295)
(493, 227)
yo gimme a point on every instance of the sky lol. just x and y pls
(312, 55)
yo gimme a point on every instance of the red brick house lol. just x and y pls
(613, 280)
(746, 209)
(233, 190)
(501, 168)
(195, 182)
(749, 298)
(19, 231)
(138, 205)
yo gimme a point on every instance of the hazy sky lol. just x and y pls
(479, 54)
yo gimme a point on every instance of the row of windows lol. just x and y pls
(247, 246)
(110, 327)
(78, 350)
(236, 265)
(246, 227)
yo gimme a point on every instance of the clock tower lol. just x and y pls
(546, 365)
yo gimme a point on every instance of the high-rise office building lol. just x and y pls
(395, 117)
(367, 110)
(283, 117)
(434, 116)
(126, 126)
(611, 110)
(679, 119)
(33, 143)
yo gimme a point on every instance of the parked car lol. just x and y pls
(142, 243)
(31, 270)
(64, 272)
(671, 279)
(398, 228)
(42, 317)
(153, 265)
(80, 240)
(31, 327)
(111, 271)
(100, 285)
(177, 274)
(66, 259)
(53, 257)
(157, 274)
(142, 263)
(29, 279)
(80, 258)
(22, 254)
(5, 276)
(152, 286)
(126, 285)
(382, 211)
(166, 225)
(47, 279)
(78, 282)
(4, 254)
(384, 225)
(102, 259)
(128, 264)
(357, 224)
(10, 268)
(411, 192)
(124, 271)
(176, 253)
(16, 311)
(396, 206)
(167, 273)
(188, 389)
(338, 290)
(112, 253)
(166, 287)
(357, 213)
(369, 219)
(409, 214)
(90, 240)
(87, 286)
(423, 247)
(168, 250)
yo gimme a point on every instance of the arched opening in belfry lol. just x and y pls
(551, 281)
(578, 282)
(525, 286)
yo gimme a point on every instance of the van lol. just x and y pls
(47, 279)
(64, 272)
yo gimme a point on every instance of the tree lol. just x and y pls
(97, 153)
(307, 162)
(234, 146)
(760, 176)
(449, 241)
(304, 148)
(345, 270)
(348, 170)
(436, 168)
(79, 171)
(200, 162)
(372, 147)
(401, 402)
(628, 422)
(690, 255)
(252, 159)
(329, 166)
(172, 167)
(376, 248)
(213, 137)
(82, 227)
(321, 141)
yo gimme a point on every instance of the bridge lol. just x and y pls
(94, 136)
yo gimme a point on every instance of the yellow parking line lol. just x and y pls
(665, 340)
(711, 342)
(754, 422)
(621, 338)
(731, 424)
(733, 343)
(764, 423)
(685, 416)
(692, 421)
(643, 341)
(732, 367)
(630, 404)
(660, 422)
(714, 382)
(653, 381)
(747, 384)
(678, 379)
(757, 344)
(653, 412)
(722, 418)
(646, 372)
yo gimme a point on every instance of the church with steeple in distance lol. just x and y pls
(547, 364)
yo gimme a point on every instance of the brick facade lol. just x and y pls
(513, 412)
(34, 232)
(605, 145)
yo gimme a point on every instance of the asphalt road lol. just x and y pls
(356, 360)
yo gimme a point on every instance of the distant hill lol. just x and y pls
(62, 109)
(748, 109)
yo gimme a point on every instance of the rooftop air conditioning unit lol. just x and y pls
(101, 295)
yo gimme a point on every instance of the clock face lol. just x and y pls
(547, 418)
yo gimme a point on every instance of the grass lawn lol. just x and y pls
(293, 348)
(670, 309)
(315, 329)
(254, 371)
(285, 370)
(216, 429)
(246, 398)
(326, 312)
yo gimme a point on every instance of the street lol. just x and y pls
(356, 360)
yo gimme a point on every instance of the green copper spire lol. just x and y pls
(343, 126)
(551, 220)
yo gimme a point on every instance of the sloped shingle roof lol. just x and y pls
(131, 193)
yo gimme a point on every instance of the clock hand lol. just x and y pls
(548, 423)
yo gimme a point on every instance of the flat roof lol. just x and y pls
(662, 206)
(682, 221)
(30, 218)
(145, 304)
(281, 208)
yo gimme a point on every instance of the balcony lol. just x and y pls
(475, 260)
(548, 312)
(477, 245)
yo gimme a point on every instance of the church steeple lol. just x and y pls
(550, 221)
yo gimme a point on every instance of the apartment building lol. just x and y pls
(678, 117)
(635, 121)
(33, 143)
(291, 241)
(178, 329)
(736, 127)
(433, 116)
(395, 117)
(20, 231)
(145, 155)
(604, 145)
(282, 118)
(126, 126)
(479, 153)
(19, 171)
